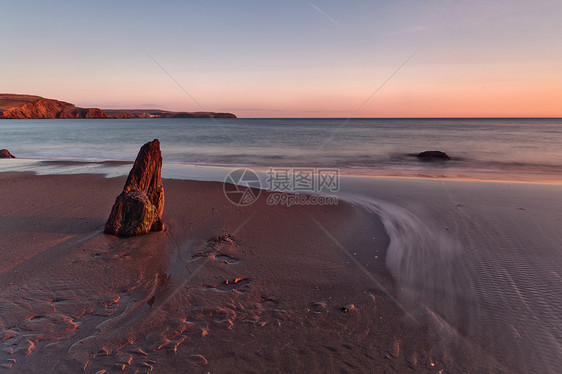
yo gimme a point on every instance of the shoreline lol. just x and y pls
(181, 171)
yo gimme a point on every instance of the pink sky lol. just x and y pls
(296, 59)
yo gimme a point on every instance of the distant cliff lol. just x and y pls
(157, 113)
(26, 106)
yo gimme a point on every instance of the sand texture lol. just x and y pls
(230, 289)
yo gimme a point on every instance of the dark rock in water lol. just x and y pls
(138, 209)
(433, 155)
(4, 153)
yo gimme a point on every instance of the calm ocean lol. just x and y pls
(531, 148)
(480, 260)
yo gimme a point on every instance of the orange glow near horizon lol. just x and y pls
(477, 59)
(456, 101)
(413, 92)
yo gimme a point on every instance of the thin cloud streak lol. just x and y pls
(324, 14)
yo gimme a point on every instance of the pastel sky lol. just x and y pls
(265, 58)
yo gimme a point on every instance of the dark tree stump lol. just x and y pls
(138, 209)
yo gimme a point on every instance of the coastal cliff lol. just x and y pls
(14, 106)
(24, 106)
(157, 113)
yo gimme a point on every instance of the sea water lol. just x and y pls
(528, 148)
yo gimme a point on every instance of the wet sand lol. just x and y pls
(249, 289)
(482, 259)
(265, 296)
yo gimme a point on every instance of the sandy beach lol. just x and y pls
(263, 288)
(265, 296)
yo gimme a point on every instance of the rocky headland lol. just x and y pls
(13, 106)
